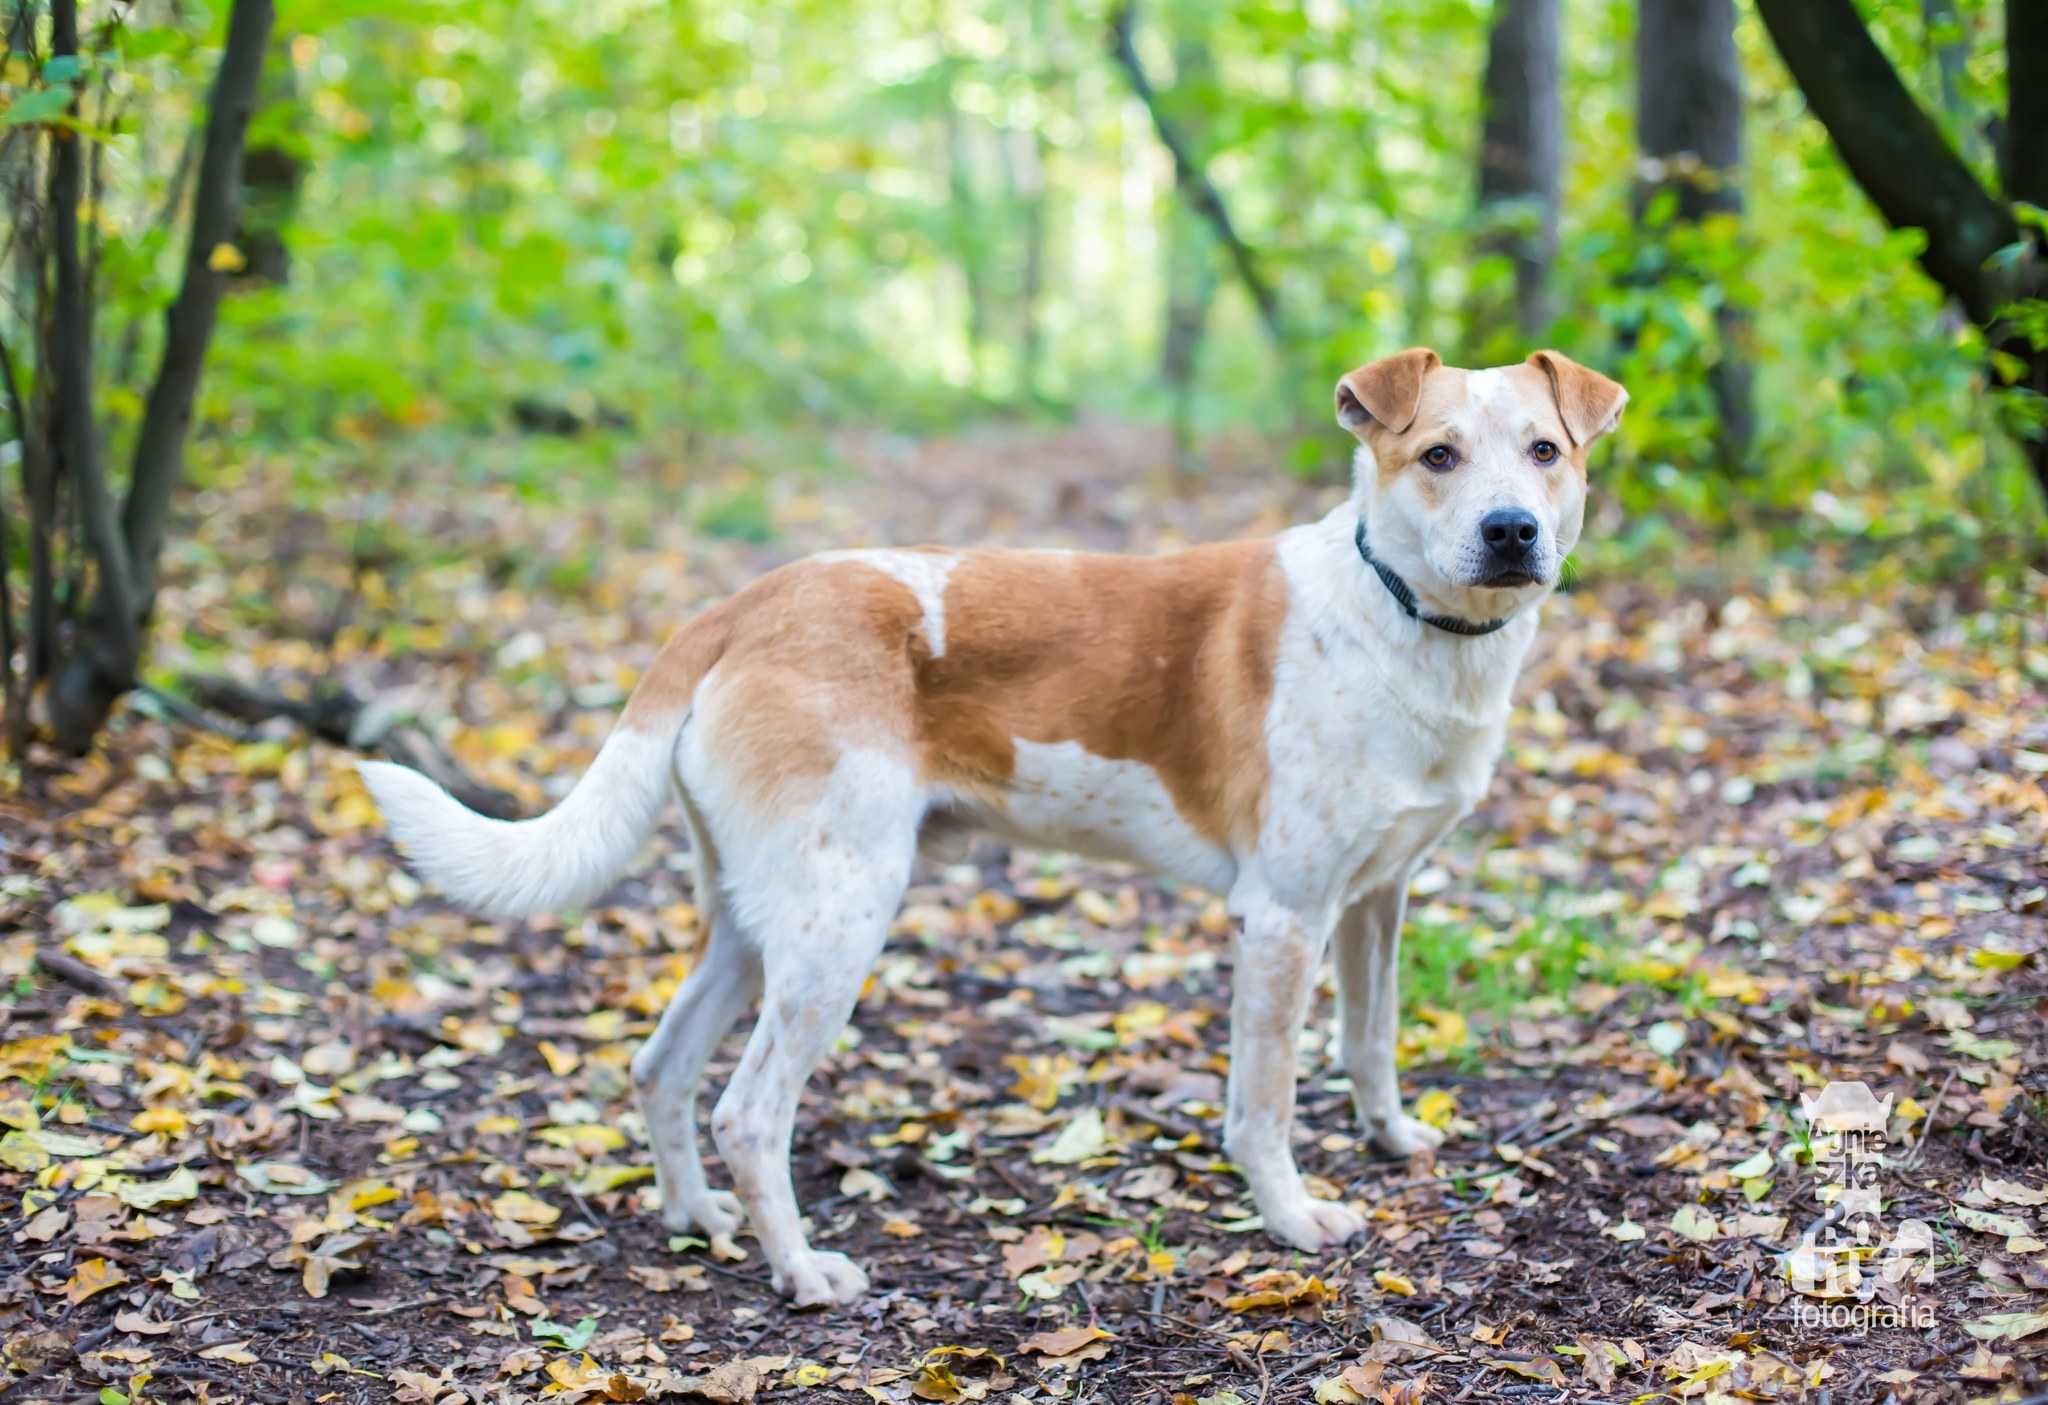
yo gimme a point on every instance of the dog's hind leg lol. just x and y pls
(820, 894)
(669, 1066)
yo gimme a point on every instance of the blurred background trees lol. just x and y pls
(1806, 233)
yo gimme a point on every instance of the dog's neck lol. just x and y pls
(1467, 679)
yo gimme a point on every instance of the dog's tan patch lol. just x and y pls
(1166, 661)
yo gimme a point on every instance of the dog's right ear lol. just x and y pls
(1385, 391)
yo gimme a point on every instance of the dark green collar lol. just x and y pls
(1405, 597)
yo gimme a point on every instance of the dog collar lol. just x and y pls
(1405, 597)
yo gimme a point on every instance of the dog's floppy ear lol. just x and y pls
(1387, 390)
(1589, 402)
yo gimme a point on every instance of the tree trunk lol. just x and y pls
(1192, 178)
(1689, 125)
(104, 665)
(271, 173)
(1190, 270)
(1899, 157)
(1521, 151)
(2026, 117)
(967, 236)
(1892, 148)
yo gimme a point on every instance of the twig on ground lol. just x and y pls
(1913, 1157)
(75, 973)
(338, 715)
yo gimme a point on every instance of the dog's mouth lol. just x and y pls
(1506, 578)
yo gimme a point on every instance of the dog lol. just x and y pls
(1294, 722)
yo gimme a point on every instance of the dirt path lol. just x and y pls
(277, 1126)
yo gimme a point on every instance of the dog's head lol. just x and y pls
(1473, 483)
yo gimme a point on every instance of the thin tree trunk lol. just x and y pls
(1190, 270)
(967, 235)
(167, 417)
(77, 437)
(271, 175)
(91, 678)
(1689, 124)
(1521, 150)
(1031, 151)
(1195, 185)
(13, 706)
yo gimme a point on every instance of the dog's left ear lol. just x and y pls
(1388, 390)
(1589, 402)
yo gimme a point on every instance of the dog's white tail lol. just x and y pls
(501, 868)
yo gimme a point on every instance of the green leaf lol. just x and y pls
(568, 1338)
(45, 105)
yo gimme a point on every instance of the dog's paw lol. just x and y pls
(1313, 1225)
(717, 1213)
(820, 1278)
(1402, 1135)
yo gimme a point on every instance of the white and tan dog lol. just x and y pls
(1294, 722)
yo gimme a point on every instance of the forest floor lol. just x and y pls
(277, 1125)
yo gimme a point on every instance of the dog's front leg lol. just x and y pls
(1277, 954)
(1369, 994)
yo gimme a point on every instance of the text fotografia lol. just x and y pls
(1851, 1270)
(1917, 1315)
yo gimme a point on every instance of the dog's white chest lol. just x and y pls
(1375, 756)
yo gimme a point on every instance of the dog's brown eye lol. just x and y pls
(1544, 450)
(1439, 457)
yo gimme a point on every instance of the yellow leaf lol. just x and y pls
(497, 1125)
(1437, 1107)
(521, 1208)
(226, 258)
(561, 1062)
(810, 1373)
(92, 1276)
(168, 1120)
(599, 1179)
(237, 1353)
(589, 1138)
(1992, 959)
(365, 1194)
(1398, 1284)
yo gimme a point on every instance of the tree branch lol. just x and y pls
(1194, 183)
(1892, 148)
(216, 207)
(77, 437)
(2026, 111)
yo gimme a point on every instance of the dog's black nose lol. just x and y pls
(1509, 533)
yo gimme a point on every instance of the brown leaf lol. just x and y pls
(1280, 1289)
(128, 1320)
(1066, 1342)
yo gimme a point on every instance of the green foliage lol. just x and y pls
(728, 218)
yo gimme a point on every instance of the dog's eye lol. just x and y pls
(1439, 456)
(1544, 450)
